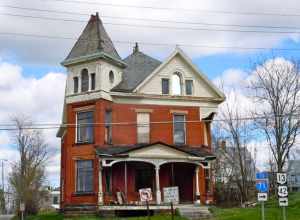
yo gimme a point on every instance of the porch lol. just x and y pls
(125, 170)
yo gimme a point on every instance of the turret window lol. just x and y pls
(75, 80)
(84, 80)
(111, 76)
(93, 81)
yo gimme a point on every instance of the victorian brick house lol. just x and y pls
(134, 123)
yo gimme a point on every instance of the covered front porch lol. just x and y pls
(125, 170)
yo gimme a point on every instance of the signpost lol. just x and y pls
(262, 186)
(146, 196)
(282, 192)
(171, 195)
(22, 209)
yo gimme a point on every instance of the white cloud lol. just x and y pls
(41, 99)
(53, 51)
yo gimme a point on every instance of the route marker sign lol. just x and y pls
(281, 178)
(262, 182)
(262, 197)
(283, 191)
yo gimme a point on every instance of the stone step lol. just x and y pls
(195, 212)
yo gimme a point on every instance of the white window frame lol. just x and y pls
(185, 85)
(76, 125)
(149, 127)
(185, 134)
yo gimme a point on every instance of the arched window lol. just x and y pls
(84, 80)
(176, 84)
(111, 76)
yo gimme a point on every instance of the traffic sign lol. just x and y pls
(262, 197)
(283, 201)
(262, 176)
(262, 186)
(283, 191)
(145, 194)
(281, 178)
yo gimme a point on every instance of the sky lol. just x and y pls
(32, 81)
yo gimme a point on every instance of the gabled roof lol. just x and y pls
(93, 42)
(115, 151)
(139, 66)
(179, 52)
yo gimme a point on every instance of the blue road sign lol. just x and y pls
(261, 175)
(262, 186)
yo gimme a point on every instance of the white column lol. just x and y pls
(158, 193)
(197, 201)
(100, 191)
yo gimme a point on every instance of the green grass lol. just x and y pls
(272, 211)
(55, 216)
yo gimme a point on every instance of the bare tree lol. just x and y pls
(28, 173)
(235, 160)
(276, 90)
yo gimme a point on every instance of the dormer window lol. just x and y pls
(111, 77)
(176, 84)
(84, 80)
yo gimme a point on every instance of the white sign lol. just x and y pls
(262, 197)
(22, 207)
(145, 194)
(281, 178)
(282, 191)
(283, 201)
(171, 194)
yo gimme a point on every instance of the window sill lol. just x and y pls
(83, 194)
(83, 143)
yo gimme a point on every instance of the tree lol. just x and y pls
(28, 173)
(2, 201)
(235, 164)
(276, 90)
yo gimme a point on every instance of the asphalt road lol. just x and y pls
(5, 217)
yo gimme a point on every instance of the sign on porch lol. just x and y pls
(145, 194)
(171, 194)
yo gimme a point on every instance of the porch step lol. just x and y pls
(80, 210)
(195, 212)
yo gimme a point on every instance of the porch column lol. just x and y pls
(197, 201)
(158, 193)
(100, 189)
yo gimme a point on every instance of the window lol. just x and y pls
(84, 177)
(189, 87)
(84, 80)
(144, 177)
(111, 76)
(108, 127)
(143, 127)
(176, 84)
(93, 81)
(179, 129)
(55, 200)
(108, 180)
(165, 86)
(85, 128)
(75, 81)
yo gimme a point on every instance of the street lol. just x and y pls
(6, 217)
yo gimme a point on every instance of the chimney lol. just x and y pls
(136, 48)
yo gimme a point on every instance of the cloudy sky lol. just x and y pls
(31, 45)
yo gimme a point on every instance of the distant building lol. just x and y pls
(293, 172)
(125, 125)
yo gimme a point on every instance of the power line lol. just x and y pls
(136, 19)
(165, 27)
(149, 43)
(182, 9)
(37, 126)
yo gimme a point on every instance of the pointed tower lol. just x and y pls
(93, 64)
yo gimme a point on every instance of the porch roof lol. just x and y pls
(123, 150)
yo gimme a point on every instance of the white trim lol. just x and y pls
(184, 115)
(187, 59)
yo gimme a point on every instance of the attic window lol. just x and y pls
(84, 80)
(111, 76)
(176, 84)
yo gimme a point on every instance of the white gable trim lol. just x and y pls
(190, 63)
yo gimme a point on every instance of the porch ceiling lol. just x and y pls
(155, 150)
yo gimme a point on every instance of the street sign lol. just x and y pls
(171, 194)
(283, 202)
(262, 186)
(22, 207)
(281, 178)
(262, 197)
(283, 191)
(145, 194)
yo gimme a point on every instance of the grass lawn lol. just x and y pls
(272, 211)
(55, 216)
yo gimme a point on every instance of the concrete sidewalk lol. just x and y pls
(6, 217)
